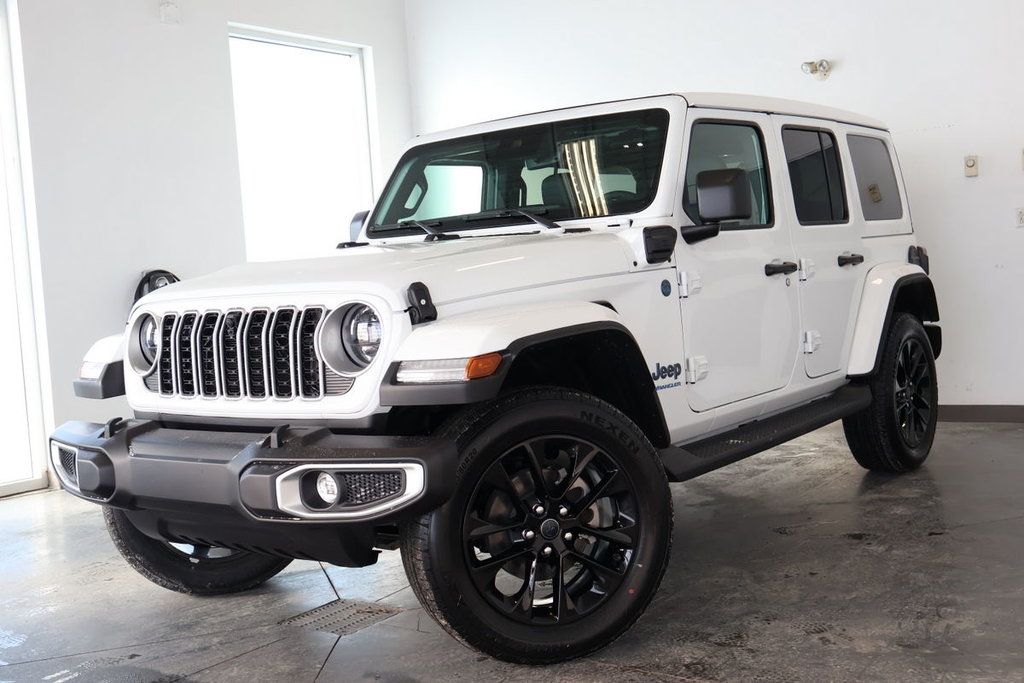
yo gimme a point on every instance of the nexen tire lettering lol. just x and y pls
(623, 438)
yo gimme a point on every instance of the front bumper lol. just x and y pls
(249, 490)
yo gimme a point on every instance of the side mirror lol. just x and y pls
(723, 194)
(356, 226)
(153, 280)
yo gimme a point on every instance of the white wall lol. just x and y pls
(943, 73)
(134, 153)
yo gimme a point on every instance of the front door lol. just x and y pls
(740, 323)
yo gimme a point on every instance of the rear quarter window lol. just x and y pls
(875, 177)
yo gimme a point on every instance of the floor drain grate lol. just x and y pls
(342, 617)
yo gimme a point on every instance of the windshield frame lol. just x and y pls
(657, 111)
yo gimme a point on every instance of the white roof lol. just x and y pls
(774, 105)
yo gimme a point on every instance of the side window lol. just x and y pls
(876, 179)
(717, 145)
(816, 176)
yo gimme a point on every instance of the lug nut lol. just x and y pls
(538, 510)
(528, 535)
(547, 551)
(563, 511)
(568, 537)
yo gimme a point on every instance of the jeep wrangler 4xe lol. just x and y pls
(543, 321)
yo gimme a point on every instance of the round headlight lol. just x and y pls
(148, 339)
(361, 334)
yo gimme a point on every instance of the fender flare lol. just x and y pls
(509, 331)
(887, 285)
(105, 363)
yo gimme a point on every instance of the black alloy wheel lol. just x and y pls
(895, 432)
(913, 392)
(550, 530)
(557, 536)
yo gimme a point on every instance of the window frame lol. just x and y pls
(769, 189)
(839, 165)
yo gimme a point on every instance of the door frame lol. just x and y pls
(18, 201)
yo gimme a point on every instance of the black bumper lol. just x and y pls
(244, 490)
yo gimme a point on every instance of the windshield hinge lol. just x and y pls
(421, 308)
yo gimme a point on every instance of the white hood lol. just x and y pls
(452, 269)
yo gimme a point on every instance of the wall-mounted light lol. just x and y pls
(819, 69)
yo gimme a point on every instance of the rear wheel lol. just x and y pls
(557, 536)
(196, 569)
(895, 433)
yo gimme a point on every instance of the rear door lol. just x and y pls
(827, 241)
(740, 325)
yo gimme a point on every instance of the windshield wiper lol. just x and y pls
(507, 213)
(429, 228)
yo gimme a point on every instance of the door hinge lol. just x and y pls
(689, 283)
(806, 269)
(812, 341)
(696, 369)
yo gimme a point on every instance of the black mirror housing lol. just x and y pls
(356, 226)
(723, 194)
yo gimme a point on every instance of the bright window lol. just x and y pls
(303, 144)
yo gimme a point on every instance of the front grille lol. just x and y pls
(368, 487)
(69, 463)
(255, 354)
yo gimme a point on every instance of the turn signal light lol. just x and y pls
(483, 366)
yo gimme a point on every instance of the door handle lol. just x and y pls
(850, 259)
(780, 268)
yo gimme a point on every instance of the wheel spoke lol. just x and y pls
(477, 527)
(484, 571)
(598, 492)
(540, 485)
(563, 602)
(523, 600)
(609, 577)
(624, 536)
(499, 478)
(579, 465)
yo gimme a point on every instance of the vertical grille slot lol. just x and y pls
(231, 361)
(166, 364)
(208, 354)
(308, 366)
(186, 355)
(255, 354)
(281, 349)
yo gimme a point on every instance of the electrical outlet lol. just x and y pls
(1020, 218)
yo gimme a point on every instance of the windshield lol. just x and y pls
(583, 168)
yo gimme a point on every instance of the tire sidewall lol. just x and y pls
(907, 327)
(165, 566)
(467, 610)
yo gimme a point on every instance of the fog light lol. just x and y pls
(327, 488)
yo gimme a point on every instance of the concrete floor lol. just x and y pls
(795, 565)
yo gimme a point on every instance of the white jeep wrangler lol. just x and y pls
(543, 322)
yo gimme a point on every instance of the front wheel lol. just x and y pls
(196, 569)
(895, 433)
(557, 536)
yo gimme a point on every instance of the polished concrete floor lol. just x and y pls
(795, 565)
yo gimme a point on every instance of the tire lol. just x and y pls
(543, 468)
(197, 570)
(895, 433)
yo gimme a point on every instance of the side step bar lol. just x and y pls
(700, 457)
